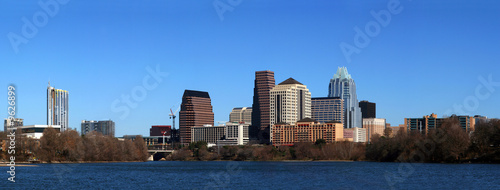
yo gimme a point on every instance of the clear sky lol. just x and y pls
(427, 58)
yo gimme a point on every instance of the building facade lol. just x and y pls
(431, 122)
(290, 102)
(343, 86)
(104, 127)
(236, 134)
(57, 107)
(10, 124)
(196, 111)
(208, 133)
(306, 130)
(36, 131)
(327, 109)
(374, 126)
(368, 109)
(264, 82)
(241, 115)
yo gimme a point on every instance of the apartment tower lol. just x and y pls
(57, 107)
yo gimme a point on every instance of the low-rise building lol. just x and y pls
(208, 133)
(306, 130)
(430, 122)
(36, 131)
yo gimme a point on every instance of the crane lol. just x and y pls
(172, 114)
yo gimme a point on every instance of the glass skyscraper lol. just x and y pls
(57, 107)
(343, 86)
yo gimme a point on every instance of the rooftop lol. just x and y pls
(290, 81)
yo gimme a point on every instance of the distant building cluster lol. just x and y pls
(281, 115)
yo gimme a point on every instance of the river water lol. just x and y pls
(255, 175)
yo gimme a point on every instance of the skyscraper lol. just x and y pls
(290, 101)
(196, 111)
(264, 82)
(327, 109)
(343, 86)
(368, 109)
(239, 115)
(57, 107)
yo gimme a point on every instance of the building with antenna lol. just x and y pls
(57, 107)
(343, 86)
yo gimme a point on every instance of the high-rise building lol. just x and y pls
(240, 115)
(368, 109)
(430, 122)
(10, 124)
(306, 130)
(57, 107)
(264, 82)
(343, 86)
(104, 127)
(290, 101)
(327, 109)
(374, 126)
(196, 111)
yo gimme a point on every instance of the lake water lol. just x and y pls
(255, 175)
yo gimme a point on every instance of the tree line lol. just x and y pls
(447, 144)
(69, 146)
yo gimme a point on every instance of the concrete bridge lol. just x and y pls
(155, 155)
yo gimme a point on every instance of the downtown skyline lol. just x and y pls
(424, 61)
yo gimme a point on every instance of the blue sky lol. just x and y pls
(427, 59)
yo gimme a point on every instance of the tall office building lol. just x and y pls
(327, 109)
(57, 107)
(196, 111)
(10, 124)
(368, 109)
(240, 115)
(264, 82)
(343, 86)
(104, 127)
(290, 101)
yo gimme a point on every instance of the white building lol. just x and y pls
(57, 107)
(359, 134)
(290, 101)
(10, 124)
(36, 131)
(236, 134)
